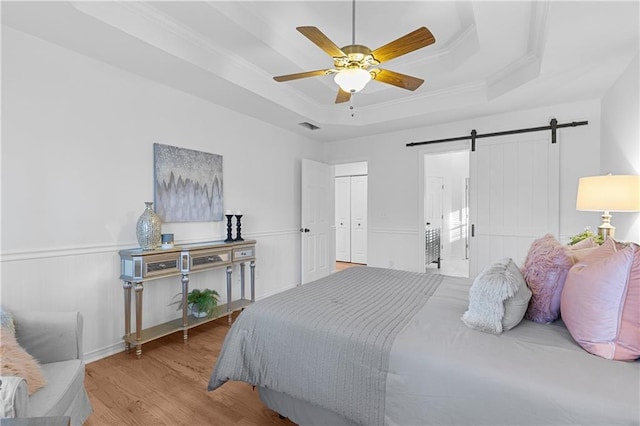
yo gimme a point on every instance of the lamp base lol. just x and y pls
(606, 229)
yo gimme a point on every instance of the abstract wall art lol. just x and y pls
(188, 184)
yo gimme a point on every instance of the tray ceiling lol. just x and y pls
(489, 57)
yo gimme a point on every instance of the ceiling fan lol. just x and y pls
(355, 65)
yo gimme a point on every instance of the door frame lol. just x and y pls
(440, 148)
(354, 173)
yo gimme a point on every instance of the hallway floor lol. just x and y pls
(453, 267)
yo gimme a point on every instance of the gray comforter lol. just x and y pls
(388, 347)
(327, 342)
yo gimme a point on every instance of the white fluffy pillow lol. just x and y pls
(498, 298)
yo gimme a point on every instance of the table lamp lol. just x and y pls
(608, 193)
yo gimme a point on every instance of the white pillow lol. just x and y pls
(498, 298)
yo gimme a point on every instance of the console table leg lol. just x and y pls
(229, 270)
(252, 265)
(139, 288)
(127, 314)
(185, 313)
(242, 281)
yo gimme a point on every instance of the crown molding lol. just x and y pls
(526, 67)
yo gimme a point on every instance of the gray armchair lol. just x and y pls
(55, 340)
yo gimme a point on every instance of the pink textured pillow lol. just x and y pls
(545, 270)
(600, 305)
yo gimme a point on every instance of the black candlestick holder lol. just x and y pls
(229, 237)
(238, 226)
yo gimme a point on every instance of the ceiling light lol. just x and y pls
(352, 80)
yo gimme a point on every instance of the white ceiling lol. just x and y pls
(489, 57)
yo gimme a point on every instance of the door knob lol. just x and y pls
(304, 229)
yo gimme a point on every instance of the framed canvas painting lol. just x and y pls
(188, 184)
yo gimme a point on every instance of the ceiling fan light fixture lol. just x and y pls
(352, 80)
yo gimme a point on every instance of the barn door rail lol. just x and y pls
(553, 126)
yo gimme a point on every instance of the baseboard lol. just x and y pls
(98, 354)
(264, 296)
(118, 347)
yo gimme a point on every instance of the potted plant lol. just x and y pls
(202, 303)
(587, 233)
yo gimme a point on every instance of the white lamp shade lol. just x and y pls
(616, 193)
(352, 80)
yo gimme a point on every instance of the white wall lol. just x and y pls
(395, 191)
(620, 145)
(77, 166)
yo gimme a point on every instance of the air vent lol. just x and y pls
(309, 126)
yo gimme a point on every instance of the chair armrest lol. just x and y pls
(50, 336)
(14, 397)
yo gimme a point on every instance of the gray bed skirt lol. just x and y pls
(301, 412)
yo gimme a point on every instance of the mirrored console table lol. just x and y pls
(139, 266)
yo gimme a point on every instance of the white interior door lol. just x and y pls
(359, 219)
(433, 201)
(514, 197)
(317, 214)
(343, 219)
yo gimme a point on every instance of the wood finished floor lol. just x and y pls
(344, 265)
(168, 386)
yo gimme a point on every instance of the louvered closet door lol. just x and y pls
(514, 197)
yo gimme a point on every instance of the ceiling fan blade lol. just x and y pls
(397, 79)
(322, 41)
(415, 40)
(306, 74)
(342, 96)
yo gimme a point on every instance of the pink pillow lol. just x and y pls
(586, 243)
(629, 337)
(545, 270)
(600, 302)
(579, 254)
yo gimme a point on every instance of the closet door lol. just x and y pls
(359, 219)
(343, 219)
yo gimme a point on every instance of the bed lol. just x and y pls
(378, 346)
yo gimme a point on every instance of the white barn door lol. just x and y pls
(343, 219)
(514, 197)
(317, 215)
